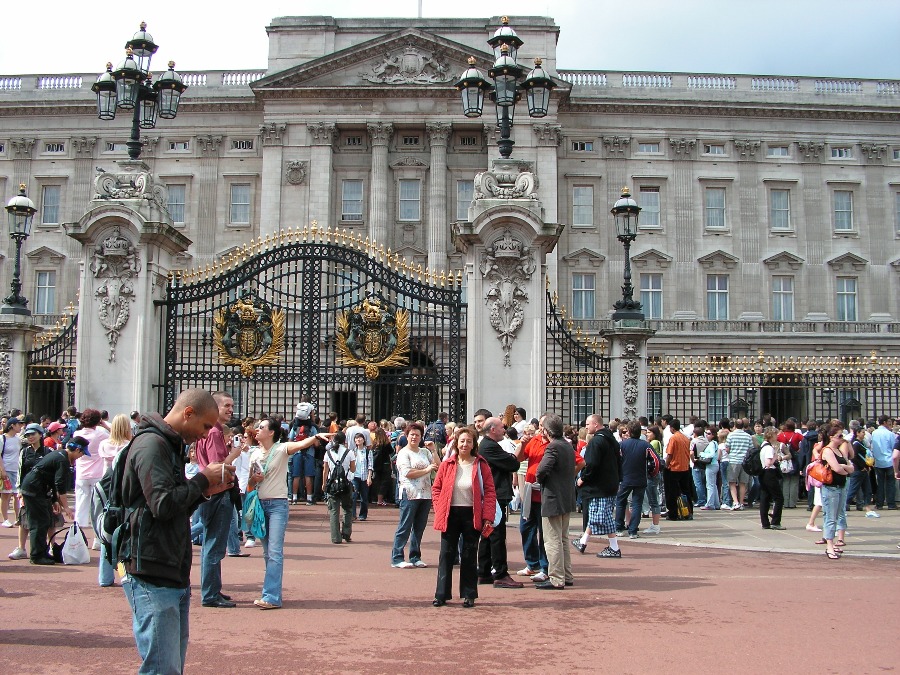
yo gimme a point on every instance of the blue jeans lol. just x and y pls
(726, 493)
(107, 575)
(859, 486)
(532, 532)
(637, 503)
(216, 516)
(360, 497)
(699, 475)
(234, 542)
(160, 625)
(712, 488)
(885, 487)
(413, 519)
(652, 493)
(834, 505)
(276, 515)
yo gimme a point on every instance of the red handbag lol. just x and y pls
(821, 472)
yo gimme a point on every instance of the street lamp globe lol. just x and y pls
(142, 47)
(538, 87)
(626, 212)
(129, 76)
(505, 73)
(105, 88)
(20, 210)
(170, 88)
(472, 85)
(505, 36)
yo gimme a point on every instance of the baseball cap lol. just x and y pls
(55, 426)
(79, 443)
(34, 429)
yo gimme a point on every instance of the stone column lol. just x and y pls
(549, 136)
(16, 337)
(379, 135)
(321, 138)
(684, 229)
(627, 368)
(438, 135)
(271, 138)
(207, 188)
(82, 183)
(751, 195)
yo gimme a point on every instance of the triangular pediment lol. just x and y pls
(584, 257)
(224, 253)
(651, 258)
(43, 255)
(718, 260)
(848, 262)
(409, 58)
(783, 261)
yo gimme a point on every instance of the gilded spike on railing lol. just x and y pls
(443, 278)
(419, 271)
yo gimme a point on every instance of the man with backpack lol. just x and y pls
(159, 499)
(437, 433)
(340, 463)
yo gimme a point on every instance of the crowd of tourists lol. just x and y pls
(233, 489)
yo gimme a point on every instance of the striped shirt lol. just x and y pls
(738, 443)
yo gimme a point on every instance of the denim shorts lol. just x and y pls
(303, 465)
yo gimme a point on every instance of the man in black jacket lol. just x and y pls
(158, 554)
(43, 486)
(599, 485)
(492, 549)
(556, 474)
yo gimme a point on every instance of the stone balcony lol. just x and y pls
(670, 327)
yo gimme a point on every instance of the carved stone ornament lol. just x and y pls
(810, 149)
(410, 65)
(115, 264)
(506, 266)
(682, 147)
(370, 337)
(630, 378)
(295, 173)
(5, 371)
(747, 148)
(616, 145)
(136, 185)
(272, 134)
(873, 151)
(504, 183)
(248, 333)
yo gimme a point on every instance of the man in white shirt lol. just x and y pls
(337, 451)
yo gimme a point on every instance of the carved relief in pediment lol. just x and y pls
(410, 65)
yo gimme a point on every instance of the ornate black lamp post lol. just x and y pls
(21, 214)
(130, 87)
(507, 88)
(751, 399)
(626, 212)
(829, 394)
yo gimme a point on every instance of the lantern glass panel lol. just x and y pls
(148, 113)
(127, 93)
(538, 101)
(106, 105)
(473, 101)
(505, 89)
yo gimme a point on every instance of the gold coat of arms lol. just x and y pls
(249, 333)
(370, 337)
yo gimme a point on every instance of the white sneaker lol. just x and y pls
(6, 523)
(872, 514)
(653, 529)
(405, 565)
(250, 543)
(18, 554)
(527, 572)
(96, 545)
(419, 563)
(540, 577)
(812, 528)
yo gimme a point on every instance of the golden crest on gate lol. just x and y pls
(370, 337)
(249, 333)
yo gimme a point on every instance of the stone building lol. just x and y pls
(768, 241)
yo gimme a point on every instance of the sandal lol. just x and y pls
(821, 541)
(833, 556)
(262, 604)
(839, 542)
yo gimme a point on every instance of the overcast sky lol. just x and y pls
(833, 38)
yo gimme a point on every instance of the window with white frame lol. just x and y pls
(715, 208)
(176, 200)
(410, 195)
(465, 193)
(650, 206)
(45, 293)
(242, 144)
(846, 298)
(843, 210)
(54, 148)
(780, 209)
(652, 295)
(778, 151)
(654, 403)
(411, 140)
(842, 152)
(713, 149)
(240, 204)
(583, 146)
(717, 297)
(179, 146)
(717, 404)
(649, 147)
(351, 200)
(50, 196)
(353, 141)
(783, 298)
(583, 405)
(583, 288)
(582, 206)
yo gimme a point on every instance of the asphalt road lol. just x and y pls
(686, 601)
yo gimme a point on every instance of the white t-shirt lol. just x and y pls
(407, 460)
(275, 462)
(242, 467)
(509, 445)
(767, 456)
(334, 455)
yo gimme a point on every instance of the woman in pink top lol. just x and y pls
(109, 448)
(88, 470)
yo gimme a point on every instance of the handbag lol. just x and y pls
(74, 549)
(254, 516)
(870, 460)
(786, 465)
(820, 471)
(498, 512)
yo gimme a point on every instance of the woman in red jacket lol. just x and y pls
(464, 505)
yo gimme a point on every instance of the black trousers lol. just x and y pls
(678, 483)
(769, 494)
(40, 520)
(459, 524)
(492, 550)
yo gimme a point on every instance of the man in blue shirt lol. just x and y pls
(883, 440)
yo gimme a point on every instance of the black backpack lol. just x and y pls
(752, 463)
(436, 432)
(109, 517)
(338, 484)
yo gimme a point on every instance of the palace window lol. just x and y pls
(175, 204)
(583, 146)
(583, 288)
(843, 210)
(783, 298)
(778, 151)
(410, 198)
(717, 297)
(780, 209)
(465, 192)
(649, 147)
(45, 293)
(652, 295)
(650, 208)
(582, 206)
(842, 153)
(242, 144)
(240, 204)
(715, 208)
(846, 299)
(50, 196)
(351, 200)
(713, 149)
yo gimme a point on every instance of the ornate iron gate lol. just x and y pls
(320, 313)
(577, 373)
(51, 368)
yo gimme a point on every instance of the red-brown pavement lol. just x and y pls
(662, 607)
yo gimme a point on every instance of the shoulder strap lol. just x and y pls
(344, 456)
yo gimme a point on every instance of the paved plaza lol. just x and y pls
(714, 595)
